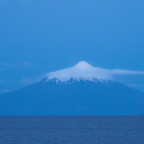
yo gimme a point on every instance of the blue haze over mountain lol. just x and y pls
(41, 36)
(79, 90)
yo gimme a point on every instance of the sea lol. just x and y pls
(72, 130)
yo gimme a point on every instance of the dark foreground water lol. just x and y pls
(72, 130)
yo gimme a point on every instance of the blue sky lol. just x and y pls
(37, 37)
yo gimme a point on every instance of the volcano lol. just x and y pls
(78, 90)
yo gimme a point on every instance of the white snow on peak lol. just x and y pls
(81, 71)
(83, 64)
(85, 71)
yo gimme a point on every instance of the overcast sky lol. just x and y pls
(40, 36)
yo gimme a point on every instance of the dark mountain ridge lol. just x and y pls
(73, 97)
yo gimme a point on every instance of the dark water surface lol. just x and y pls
(72, 130)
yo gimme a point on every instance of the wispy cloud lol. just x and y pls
(124, 72)
(18, 64)
(22, 1)
(5, 91)
(28, 81)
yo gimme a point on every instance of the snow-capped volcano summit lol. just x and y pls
(81, 71)
(83, 65)
(85, 71)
